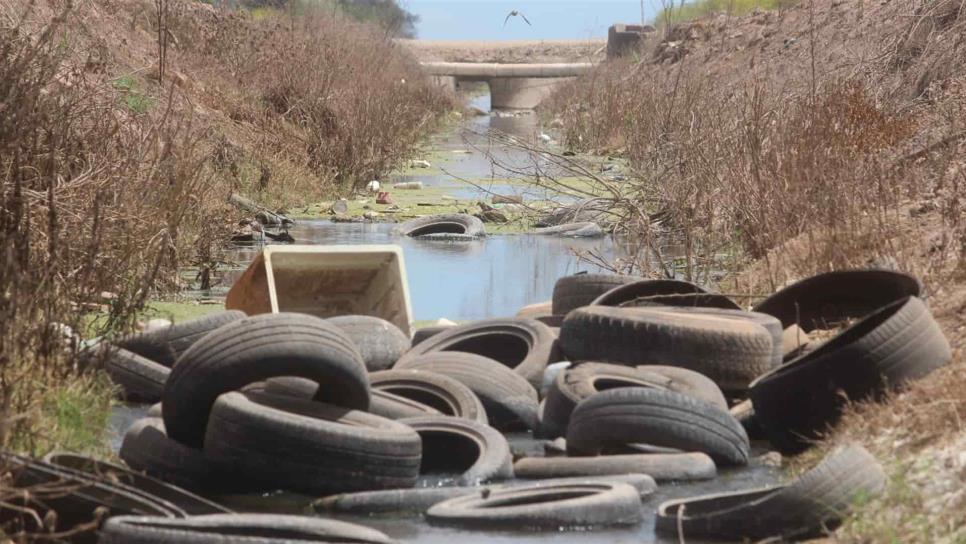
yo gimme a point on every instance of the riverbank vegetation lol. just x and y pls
(819, 137)
(682, 11)
(124, 128)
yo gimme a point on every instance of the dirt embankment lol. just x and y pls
(518, 51)
(827, 135)
(124, 127)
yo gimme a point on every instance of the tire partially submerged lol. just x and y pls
(232, 528)
(663, 467)
(813, 504)
(471, 452)
(254, 349)
(63, 500)
(272, 442)
(147, 448)
(732, 352)
(524, 345)
(443, 226)
(896, 344)
(539, 506)
(191, 504)
(416, 501)
(658, 418)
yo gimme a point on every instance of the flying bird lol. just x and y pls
(515, 13)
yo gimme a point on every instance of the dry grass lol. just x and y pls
(94, 199)
(115, 173)
(828, 136)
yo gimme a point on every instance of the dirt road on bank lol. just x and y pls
(517, 51)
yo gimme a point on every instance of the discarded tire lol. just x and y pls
(392, 406)
(380, 342)
(225, 528)
(524, 345)
(147, 448)
(572, 292)
(389, 501)
(509, 399)
(444, 394)
(659, 418)
(381, 403)
(729, 351)
(166, 345)
(538, 309)
(768, 322)
(575, 384)
(272, 442)
(744, 412)
(427, 332)
(64, 501)
(663, 467)
(416, 501)
(809, 507)
(472, 452)
(189, 503)
(663, 293)
(453, 225)
(584, 229)
(539, 506)
(254, 349)
(140, 378)
(894, 345)
(833, 297)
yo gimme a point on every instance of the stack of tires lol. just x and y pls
(627, 381)
(222, 427)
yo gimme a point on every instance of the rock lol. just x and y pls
(555, 448)
(248, 233)
(419, 163)
(492, 216)
(477, 112)
(593, 209)
(512, 207)
(545, 138)
(371, 216)
(408, 185)
(502, 199)
(770, 459)
(339, 207)
(155, 324)
(283, 236)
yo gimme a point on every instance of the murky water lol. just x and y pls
(491, 277)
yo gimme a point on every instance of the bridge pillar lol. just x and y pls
(446, 83)
(512, 93)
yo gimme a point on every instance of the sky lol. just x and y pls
(550, 19)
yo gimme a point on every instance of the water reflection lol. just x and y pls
(491, 277)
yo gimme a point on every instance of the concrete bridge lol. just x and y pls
(512, 86)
